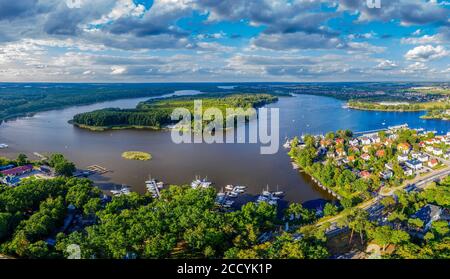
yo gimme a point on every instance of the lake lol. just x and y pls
(224, 164)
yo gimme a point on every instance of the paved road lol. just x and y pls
(419, 182)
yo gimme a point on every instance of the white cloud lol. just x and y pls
(386, 65)
(426, 53)
(118, 70)
(427, 39)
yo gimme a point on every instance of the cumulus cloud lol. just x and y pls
(426, 53)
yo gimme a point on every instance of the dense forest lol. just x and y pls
(156, 113)
(184, 223)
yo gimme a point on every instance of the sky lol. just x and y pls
(224, 40)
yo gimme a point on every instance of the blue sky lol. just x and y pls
(236, 40)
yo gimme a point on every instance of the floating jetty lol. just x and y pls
(97, 169)
(154, 187)
(125, 190)
(201, 183)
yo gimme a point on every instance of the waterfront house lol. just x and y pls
(376, 139)
(433, 163)
(365, 157)
(2, 168)
(404, 147)
(366, 141)
(430, 141)
(17, 171)
(402, 157)
(414, 164)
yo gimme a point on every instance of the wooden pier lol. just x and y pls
(97, 169)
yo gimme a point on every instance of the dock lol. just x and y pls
(97, 169)
(40, 156)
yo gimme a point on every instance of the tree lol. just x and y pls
(385, 235)
(358, 222)
(415, 223)
(330, 210)
(22, 160)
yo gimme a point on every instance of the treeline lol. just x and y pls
(118, 117)
(381, 107)
(19, 101)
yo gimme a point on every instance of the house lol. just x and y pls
(365, 174)
(331, 155)
(17, 171)
(447, 155)
(407, 171)
(388, 142)
(389, 166)
(429, 141)
(340, 141)
(325, 143)
(421, 144)
(380, 153)
(433, 163)
(2, 168)
(414, 164)
(365, 157)
(376, 139)
(387, 174)
(437, 151)
(366, 148)
(423, 158)
(351, 158)
(428, 214)
(340, 152)
(415, 155)
(366, 141)
(402, 158)
(354, 142)
(429, 149)
(404, 147)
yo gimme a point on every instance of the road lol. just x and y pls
(418, 182)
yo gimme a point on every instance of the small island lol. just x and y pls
(137, 156)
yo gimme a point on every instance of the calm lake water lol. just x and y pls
(178, 164)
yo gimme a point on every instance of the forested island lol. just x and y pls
(156, 113)
(398, 106)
